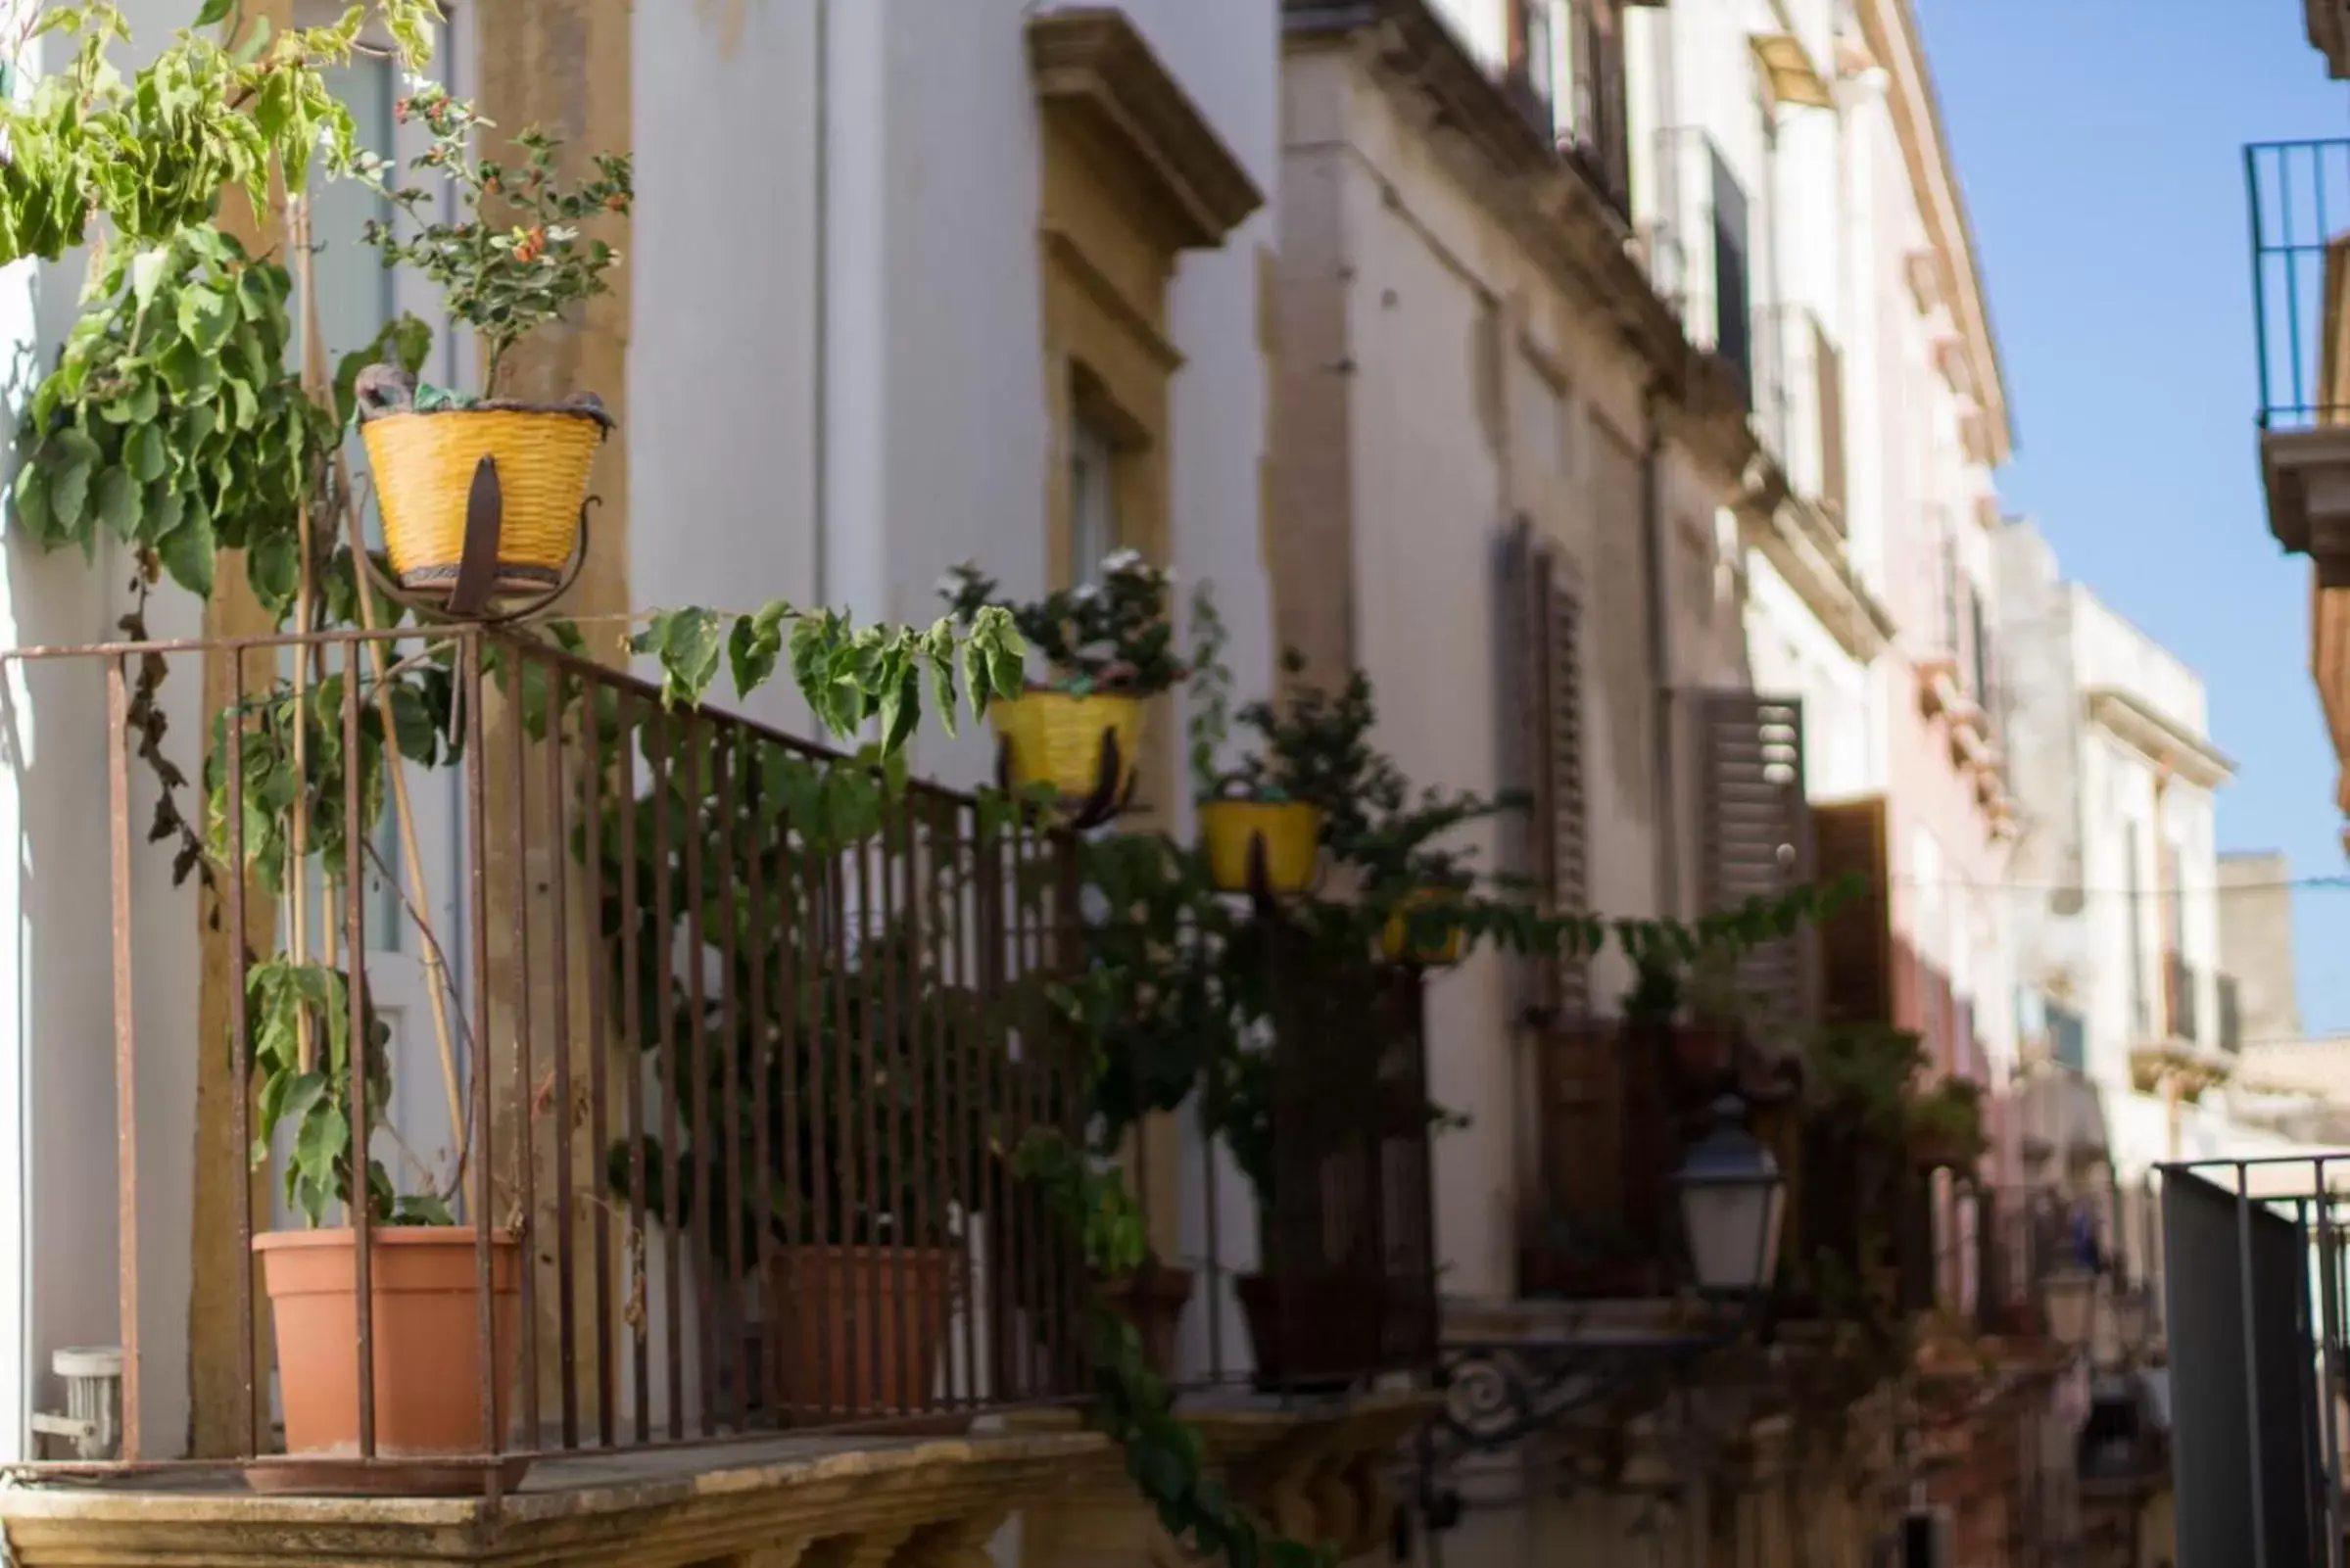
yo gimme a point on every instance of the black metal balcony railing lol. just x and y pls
(732, 1040)
(2299, 197)
(1591, 130)
(722, 1044)
(2257, 1320)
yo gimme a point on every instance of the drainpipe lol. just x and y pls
(1660, 657)
(2172, 1088)
(820, 466)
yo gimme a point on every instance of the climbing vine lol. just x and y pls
(151, 151)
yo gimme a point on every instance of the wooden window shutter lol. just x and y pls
(1857, 941)
(1551, 708)
(1830, 364)
(1758, 831)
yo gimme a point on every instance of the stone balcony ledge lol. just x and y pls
(780, 1502)
(1315, 1469)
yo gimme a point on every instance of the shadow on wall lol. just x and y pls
(59, 1236)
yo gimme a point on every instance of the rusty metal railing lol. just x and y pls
(719, 1042)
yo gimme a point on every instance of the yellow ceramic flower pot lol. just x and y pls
(1056, 738)
(424, 464)
(1290, 829)
(1396, 942)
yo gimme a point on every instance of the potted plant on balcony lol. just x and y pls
(1693, 1007)
(483, 496)
(1250, 811)
(1326, 1073)
(1946, 1126)
(1860, 1184)
(1108, 648)
(875, 1140)
(1423, 927)
(427, 1371)
(301, 1040)
(1155, 1004)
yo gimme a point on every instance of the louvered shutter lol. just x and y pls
(1540, 688)
(1855, 942)
(1758, 831)
(1553, 698)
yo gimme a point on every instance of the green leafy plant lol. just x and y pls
(503, 280)
(854, 1033)
(1861, 1077)
(171, 423)
(1209, 724)
(848, 675)
(287, 1003)
(1133, 1404)
(151, 151)
(1948, 1119)
(1113, 636)
(1317, 747)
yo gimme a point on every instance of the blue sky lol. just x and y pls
(2100, 146)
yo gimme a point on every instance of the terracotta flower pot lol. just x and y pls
(1929, 1150)
(427, 1338)
(1316, 1333)
(1702, 1054)
(1152, 1298)
(862, 1328)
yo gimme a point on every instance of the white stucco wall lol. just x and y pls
(2092, 799)
(59, 1234)
(1477, 394)
(836, 371)
(921, 437)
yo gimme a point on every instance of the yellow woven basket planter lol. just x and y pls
(1056, 738)
(1396, 940)
(1292, 835)
(424, 465)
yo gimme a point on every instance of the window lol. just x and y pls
(1979, 637)
(2138, 942)
(1732, 298)
(1594, 123)
(2174, 914)
(1534, 48)
(1092, 496)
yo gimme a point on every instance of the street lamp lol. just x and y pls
(2071, 1298)
(1733, 1201)
(2132, 1315)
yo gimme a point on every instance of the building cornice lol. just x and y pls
(1515, 172)
(1092, 69)
(2162, 740)
(1891, 29)
(1808, 555)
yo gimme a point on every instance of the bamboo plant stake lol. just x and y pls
(435, 974)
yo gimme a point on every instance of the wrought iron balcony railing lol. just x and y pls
(2299, 197)
(2257, 1328)
(2231, 1014)
(719, 1045)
